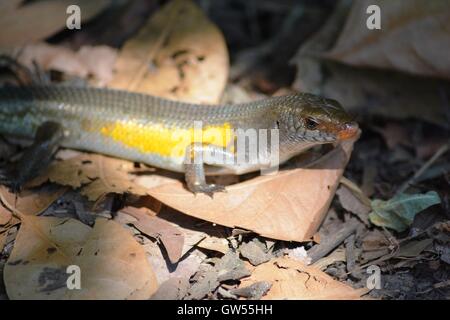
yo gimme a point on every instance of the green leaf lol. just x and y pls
(398, 213)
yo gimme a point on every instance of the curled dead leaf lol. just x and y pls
(375, 91)
(413, 37)
(287, 206)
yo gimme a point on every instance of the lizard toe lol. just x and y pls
(208, 189)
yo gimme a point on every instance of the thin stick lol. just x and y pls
(424, 168)
(322, 249)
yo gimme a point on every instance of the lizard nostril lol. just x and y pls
(348, 130)
(351, 125)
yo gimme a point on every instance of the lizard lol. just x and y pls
(162, 132)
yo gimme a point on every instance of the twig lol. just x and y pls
(332, 242)
(442, 150)
(438, 285)
(350, 255)
(13, 208)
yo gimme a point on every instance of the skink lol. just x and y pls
(164, 133)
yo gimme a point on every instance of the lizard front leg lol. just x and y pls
(195, 170)
(36, 157)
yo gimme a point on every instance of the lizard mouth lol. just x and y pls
(348, 131)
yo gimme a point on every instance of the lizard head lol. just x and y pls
(315, 119)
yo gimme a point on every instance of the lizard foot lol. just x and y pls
(208, 189)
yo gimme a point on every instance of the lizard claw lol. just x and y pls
(208, 189)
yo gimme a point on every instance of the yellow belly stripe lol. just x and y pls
(163, 140)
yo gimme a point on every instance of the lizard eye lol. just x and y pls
(311, 124)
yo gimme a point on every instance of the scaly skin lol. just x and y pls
(160, 132)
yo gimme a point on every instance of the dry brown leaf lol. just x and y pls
(255, 252)
(30, 202)
(172, 289)
(185, 268)
(197, 233)
(356, 190)
(96, 174)
(352, 203)
(294, 280)
(13, 221)
(40, 19)
(287, 206)
(95, 62)
(375, 91)
(413, 248)
(392, 95)
(214, 243)
(51, 57)
(5, 216)
(113, 265)
(171, 237)
(333, 257)
(3, 235)
(374, 241)
(7, 7)
(178, 54)
(208, 278)
(394, 134)
(414, 37)
(99, 60)
(163, 269)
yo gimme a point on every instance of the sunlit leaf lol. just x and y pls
(112, 264)
(292, 279)
(178, 54)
